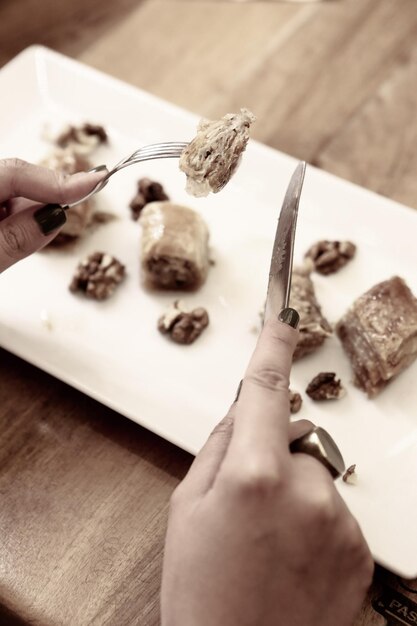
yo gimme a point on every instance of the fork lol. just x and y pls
(168, 150)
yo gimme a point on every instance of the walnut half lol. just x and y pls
(330, 256)
(325, 386)
(148, 191)
(82, 139)
(98, 276)
(181, 325)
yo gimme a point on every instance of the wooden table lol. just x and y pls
(84, 492)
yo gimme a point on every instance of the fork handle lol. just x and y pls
(99, 168)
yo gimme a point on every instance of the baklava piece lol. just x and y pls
(313, 327)
(98, 276)
(325, 386)
(174, 251)
(379, 334)
(72, 148)
(211, 158)
(78, 217)
(181, 325)
(148, 191)
(330, 256)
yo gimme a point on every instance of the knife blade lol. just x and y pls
(279, 284)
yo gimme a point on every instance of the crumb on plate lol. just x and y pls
(350, 475)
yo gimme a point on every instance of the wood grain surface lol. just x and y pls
(84, 492)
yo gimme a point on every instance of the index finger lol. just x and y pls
(21, 179)
(260, 435)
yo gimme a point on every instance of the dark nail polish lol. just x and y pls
(238, 391)
(50, 217)
(289, 316)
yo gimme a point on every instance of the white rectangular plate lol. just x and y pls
(113, 352)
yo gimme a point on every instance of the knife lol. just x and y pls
(280, 272)
(318, 442)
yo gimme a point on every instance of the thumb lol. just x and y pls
(23, 233)
(203, 471)
(21, 179)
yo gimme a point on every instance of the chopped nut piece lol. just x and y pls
(98, 276)
(84, 138)
(350, 475)
(211, 158)
(325, 386)
(329, 256)
(295, 401)
(148, 191)
(96, 130)
(181, 325)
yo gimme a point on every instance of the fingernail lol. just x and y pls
(289, 316)
(99, 168)
(50, 217)
(238, 391)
